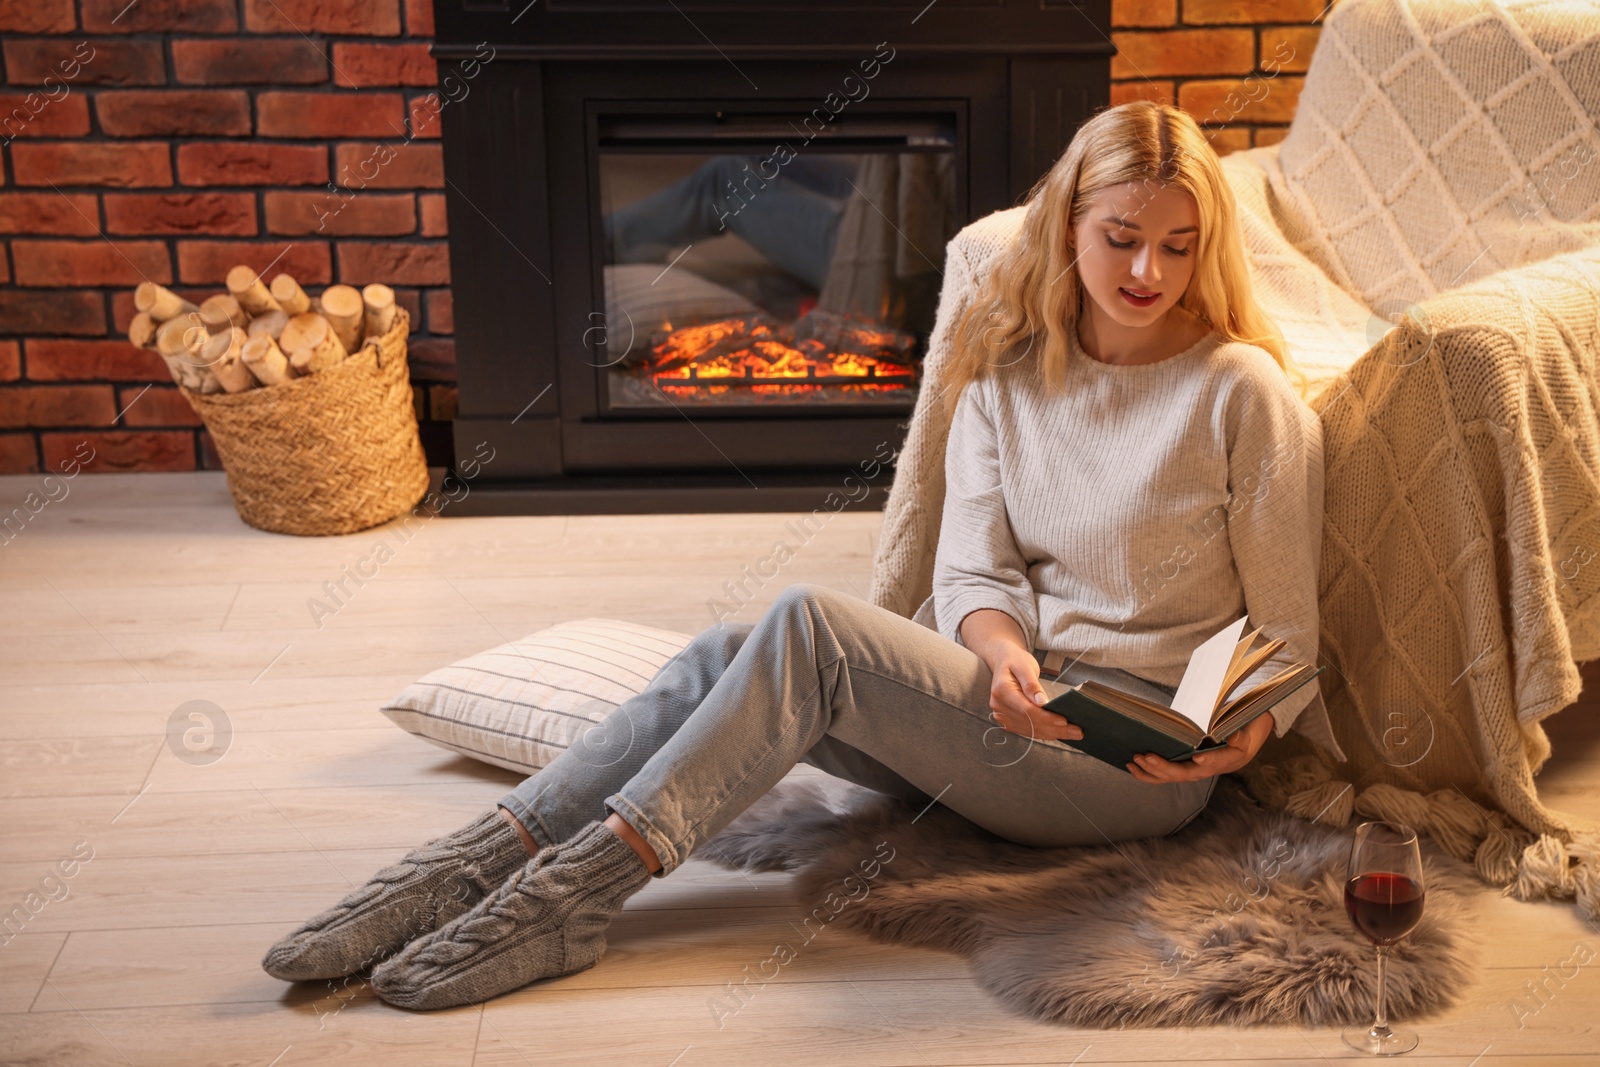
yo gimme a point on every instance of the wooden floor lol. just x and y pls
(138, 593)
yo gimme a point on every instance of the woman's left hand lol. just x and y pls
(1242, 748)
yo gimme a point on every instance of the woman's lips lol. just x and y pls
(1138, 301)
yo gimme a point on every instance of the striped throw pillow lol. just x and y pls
(519, 705)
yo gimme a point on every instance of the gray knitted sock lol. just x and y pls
(548, 919)
(431, 885)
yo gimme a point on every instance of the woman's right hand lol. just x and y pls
(1015, 695)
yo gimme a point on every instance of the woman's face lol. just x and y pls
(1137, 241)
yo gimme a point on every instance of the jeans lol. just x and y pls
(830, 679)
(792, 218)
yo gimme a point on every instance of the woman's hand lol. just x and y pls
(1242, 748)
(1015, 696)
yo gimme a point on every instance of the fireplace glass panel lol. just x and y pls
(738, 277)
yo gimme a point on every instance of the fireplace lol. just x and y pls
(697, 247)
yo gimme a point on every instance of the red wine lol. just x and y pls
(1383, 906)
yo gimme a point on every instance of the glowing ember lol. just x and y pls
(774, 359)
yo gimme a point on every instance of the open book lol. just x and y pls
(1117, 725)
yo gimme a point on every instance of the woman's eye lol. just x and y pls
(1179, 251)
(1129, 244)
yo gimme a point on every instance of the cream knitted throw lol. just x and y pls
(1443, 169)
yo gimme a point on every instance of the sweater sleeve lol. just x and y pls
(1275, 480)
(977, 563)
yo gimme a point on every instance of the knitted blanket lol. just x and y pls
(1441, 173)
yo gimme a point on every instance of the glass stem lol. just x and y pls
(1381, 1024)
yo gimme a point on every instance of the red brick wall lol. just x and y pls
(1235, 65)
(171, 139)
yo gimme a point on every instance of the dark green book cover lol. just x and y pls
(1115, 738)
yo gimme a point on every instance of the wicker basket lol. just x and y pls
(330, 453)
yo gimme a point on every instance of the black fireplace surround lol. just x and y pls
(696, 246)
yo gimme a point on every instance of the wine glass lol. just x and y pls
(1383, 895)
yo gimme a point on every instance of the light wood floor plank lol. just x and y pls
(139, 593)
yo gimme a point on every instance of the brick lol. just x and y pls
(37, 16)
(30, 60)
(442, 402)
(213, 163)
(77, 313)
(160, 16)
(92, 163)
(1213, 12)
(1225, 140)
(432, 209)
(441, 311)
(1241, 101)
(393, 263)
(19, 453)
(211, 213)
(56, 405)
(1288, 49)
(406, 165)
(5, 266)
(366, 18)
(57, 360)
(10, 361)
(123, 450)
(432, 359)
(423, 114)
(247, 61)
(1266, 135)
(43, 113)
(1128, 13)
(63, 263)
(1198, 52)
(156, 406)
(359, 213)
(201, 262)
(1159, 90)
(329, 115)
(174, 112)
(68, 214)
(363, 65)
(419, 18)
(411, 300)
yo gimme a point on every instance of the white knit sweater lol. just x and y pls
(1129, 517)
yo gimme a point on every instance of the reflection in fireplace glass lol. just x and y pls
(734, 279)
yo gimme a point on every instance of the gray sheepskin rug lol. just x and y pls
(1239, 918)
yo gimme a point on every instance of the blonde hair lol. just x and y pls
(1025, 306)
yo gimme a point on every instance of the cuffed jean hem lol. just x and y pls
(542, 835)
(658, 841)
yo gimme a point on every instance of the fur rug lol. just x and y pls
(1239, 918)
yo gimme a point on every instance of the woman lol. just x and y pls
(1128, 470)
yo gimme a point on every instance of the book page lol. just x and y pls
(1196, 699)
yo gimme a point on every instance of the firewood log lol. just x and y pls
(246, 286)
(221, 313)
(342, 306)
(159, 302)
(266, 360)
(222, 354)
(287, 292)
(142, 330)
(296, 333)
(269, 325)
(320, 346)
(379, 301)
(179, 341)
